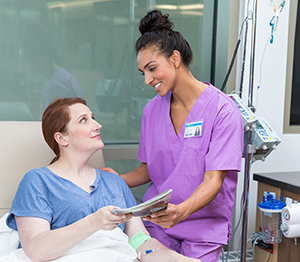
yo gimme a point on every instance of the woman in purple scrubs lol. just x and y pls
(191, 141)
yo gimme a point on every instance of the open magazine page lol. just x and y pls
(157, 203)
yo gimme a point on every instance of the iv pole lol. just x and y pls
(248, 146)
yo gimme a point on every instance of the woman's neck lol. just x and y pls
(71, 166)
(79, 173)
(187, 90)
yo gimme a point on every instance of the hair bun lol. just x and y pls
(155, 20)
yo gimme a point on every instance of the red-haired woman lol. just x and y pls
(58, 206)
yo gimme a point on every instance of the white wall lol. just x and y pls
(270, 73)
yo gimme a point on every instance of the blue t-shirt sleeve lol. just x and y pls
(30, 200)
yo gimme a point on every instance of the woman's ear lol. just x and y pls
(176, 58)
(60, 139)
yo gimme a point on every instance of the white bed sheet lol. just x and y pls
(9, 239)
(104, 246)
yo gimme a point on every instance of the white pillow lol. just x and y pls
(9, 238)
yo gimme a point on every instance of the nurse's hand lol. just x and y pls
(167, 218)
(109, 170)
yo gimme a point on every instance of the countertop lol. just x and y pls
(289, 181)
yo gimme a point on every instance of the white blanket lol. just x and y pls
(9, 239)
(104, 246)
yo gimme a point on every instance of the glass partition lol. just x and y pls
(85, 48)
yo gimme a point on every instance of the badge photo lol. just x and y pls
(193, 129)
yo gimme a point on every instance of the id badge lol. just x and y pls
(193, 129)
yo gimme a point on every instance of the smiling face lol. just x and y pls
(158, 71)
(83, 132)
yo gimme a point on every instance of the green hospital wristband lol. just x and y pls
(138, 239)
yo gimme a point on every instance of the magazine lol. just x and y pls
(157, 203)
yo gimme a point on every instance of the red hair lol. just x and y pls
(55, 119)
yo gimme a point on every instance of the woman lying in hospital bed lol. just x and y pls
(62, 212)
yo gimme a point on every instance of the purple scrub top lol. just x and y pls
(179, 163)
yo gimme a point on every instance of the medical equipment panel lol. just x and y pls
(264, 139)
(249, 118)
